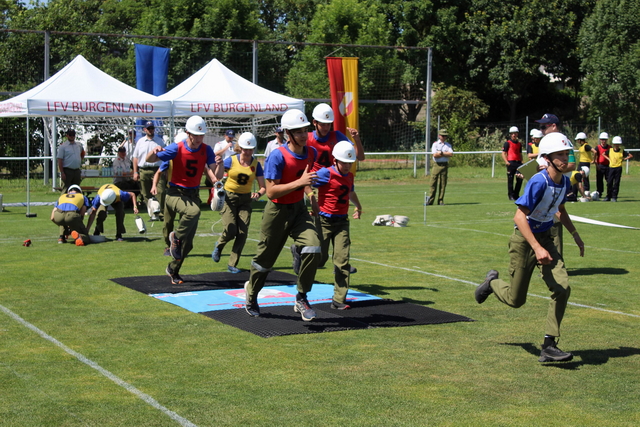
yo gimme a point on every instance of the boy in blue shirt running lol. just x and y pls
(532, 244)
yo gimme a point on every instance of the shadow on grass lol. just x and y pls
(593, 271)
(588, 357)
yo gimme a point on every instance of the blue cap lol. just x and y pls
(279, 130)
(230, 132)
(549, 118)
(148, 125)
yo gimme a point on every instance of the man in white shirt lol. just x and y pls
(122, 171)
(144, 171)
(442, 152)
(273, 144)
(70, 156)
(224, 148)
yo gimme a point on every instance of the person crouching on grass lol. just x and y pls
(531, 244)
(335, 190)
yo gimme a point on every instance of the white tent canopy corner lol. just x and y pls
(215, 90)
(81, 89)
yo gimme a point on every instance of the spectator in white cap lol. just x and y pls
(585, 157)
(602, 164)
(532, 147)
(616, 155)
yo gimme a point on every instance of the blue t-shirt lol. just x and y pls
(542, 197)
(339, 136)
(275, 162)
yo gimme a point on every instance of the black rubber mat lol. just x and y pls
(201, 282)
(282, 320)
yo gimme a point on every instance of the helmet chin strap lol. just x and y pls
(553, 164)
(293, 139)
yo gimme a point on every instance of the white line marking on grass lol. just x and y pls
(508, 235)
(476, 285)
(148, 399)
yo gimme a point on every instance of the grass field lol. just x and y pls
(141, 362)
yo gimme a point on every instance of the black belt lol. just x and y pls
(71, 169)
(442, 164)
(149, 168)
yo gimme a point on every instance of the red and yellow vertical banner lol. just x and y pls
(343, 81)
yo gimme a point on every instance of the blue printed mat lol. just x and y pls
(272, 296)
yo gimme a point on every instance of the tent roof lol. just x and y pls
(81, 89)
(217, 91)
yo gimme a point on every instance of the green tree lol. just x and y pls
(610, 51)
(458, 109)
(224, 19)
(510, 40)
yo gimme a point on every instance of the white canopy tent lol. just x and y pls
(81, 89)
(217, 91)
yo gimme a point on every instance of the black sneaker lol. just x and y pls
(484, 290)
(302, 306)
(553, 354)
(251, 307)
(296, 259)
(339, 306)
(175, 248)
(215, 255)
(62, 239)
(167, 252)
(175, 277)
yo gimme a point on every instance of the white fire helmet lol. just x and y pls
(247, 141)
(536, 133)
(323, 113)
(604, 135)
(616, 140)
(217, 202)
(74, 187)
(196, 125)
(180, 136)
(581, 135)
(400, 221)
(345, 152)
(514, 129)
(107, 197)
(595, 195)
(553, 143)
(585, 170)
(294, 119)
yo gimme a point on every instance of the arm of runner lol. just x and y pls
(568, 224)
(358, 143)
(520, 219)
(275, 189)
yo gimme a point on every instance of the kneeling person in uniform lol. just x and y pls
(68, 213)
(110, 195)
